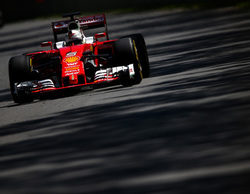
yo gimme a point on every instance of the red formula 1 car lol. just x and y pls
(78, 60)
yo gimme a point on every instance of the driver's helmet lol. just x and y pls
(74, 34)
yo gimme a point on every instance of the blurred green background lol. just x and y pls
(14, 10)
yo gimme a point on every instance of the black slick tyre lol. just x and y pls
(126, 54)
(142, 53)
(19, 71)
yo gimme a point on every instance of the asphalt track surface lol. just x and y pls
(186, 129)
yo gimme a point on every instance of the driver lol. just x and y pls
(75, 34)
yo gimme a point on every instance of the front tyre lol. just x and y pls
(20, 71)
(142, 53)
(126, 55)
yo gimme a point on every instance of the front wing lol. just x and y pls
(48, 85)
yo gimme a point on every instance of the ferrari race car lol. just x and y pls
(76, 60)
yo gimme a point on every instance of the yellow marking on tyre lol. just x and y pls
(137, 58)
(31, 65)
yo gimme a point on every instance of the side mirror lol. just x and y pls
(44, 44)
(100, 35)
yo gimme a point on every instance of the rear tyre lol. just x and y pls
(20, 71)
(126, 54)
(142, 53)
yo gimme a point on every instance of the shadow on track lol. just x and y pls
(5, 95)
(110, 143)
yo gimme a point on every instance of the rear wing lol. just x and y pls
(88, 22)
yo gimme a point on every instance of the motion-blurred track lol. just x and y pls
(186, 129)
